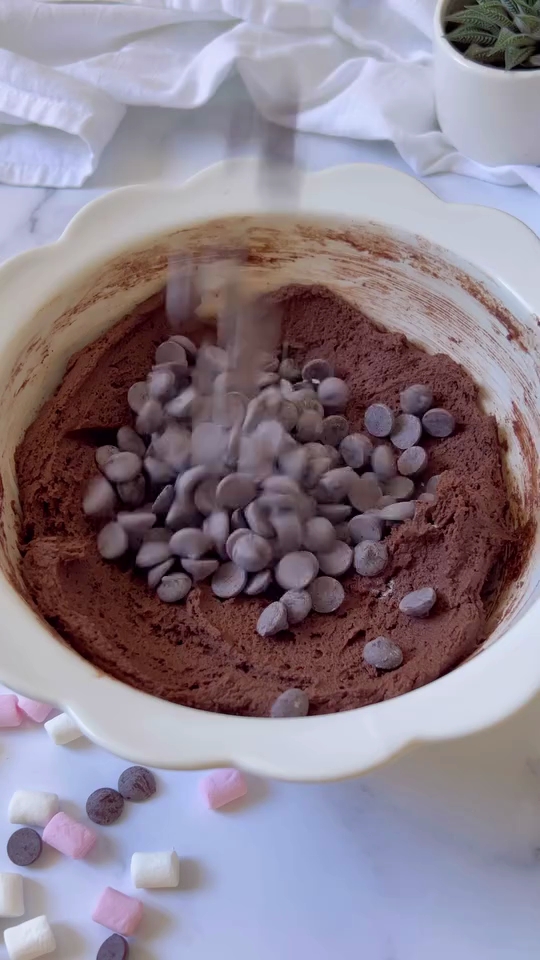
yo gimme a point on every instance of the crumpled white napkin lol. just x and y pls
(68, 68)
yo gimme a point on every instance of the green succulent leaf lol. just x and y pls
(527, 23)
(483, 54)
(511, 6)
(534, 61)
(515, 56)
(476, 22)
(465, 34)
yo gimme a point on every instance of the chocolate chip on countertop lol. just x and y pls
(113, 948)
(438, 422)
(136, 784)
(418, 603)
(104, 806)
(383, 654)
(24, 847)
(379, 420)
(290, 703)
(416, 399)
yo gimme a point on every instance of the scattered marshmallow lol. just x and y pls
(62, 729)
(10, 715)
(153, 870)
(38, 712)
(68, 836)
(11, 895)
(29, 940)
(32, 807)
(222, 787)
(118, 912)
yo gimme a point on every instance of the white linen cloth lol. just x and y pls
(69, 68)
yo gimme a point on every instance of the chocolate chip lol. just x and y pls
(438, 422)
(398, 512)
(333, 393)
(233, 538)
(317, 370)
(336, 561)
(383, 654)
(99, 499)
(416, 399)
(418, 603)
(432, 484)
(129, 441)
(171, 352)
(156, 574)
(319, 535)
(152, 553)
(150, 417)
(113, 948)
(200, 569)
(112, 541)
(289, 371)
(235, 491)
(326, 594)
(383, 461)
(133, 492)
(228, 581)
(336, 484)
(161, 384)
(288, 415)
(122, 467)
(334, 429)
(400, 488)
(104, 454)
(298, 604)
(406, 432)
(138, 522)
(367, 526)
(164, 500)
(252, 552)
(190, 542)
(205, 496)
(364, 492)
(217, 526)
(136, 784)
(412, 461)
(187, 344)
(309, 426)
(137, 396)
(356, 450)
(104, 806)
(296, 570)
(290, 703)
(335, 512)
(24, 847)
(159, 473)
(182, 406)
(370, 558)
(258, 583)
(427, 498)
(288, 529)
(379, 420)
(174, 587)
(272, 620)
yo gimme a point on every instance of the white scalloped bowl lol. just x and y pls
(458, 279)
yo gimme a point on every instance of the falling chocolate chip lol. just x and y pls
(104, 806)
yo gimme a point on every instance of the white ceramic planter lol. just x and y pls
(440, 273)
(489, 114)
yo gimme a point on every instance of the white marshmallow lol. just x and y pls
(151, 870)
(29, 940)
(11, 895)
(32, 807)
(62, 729)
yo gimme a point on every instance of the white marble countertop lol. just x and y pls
(436, 857)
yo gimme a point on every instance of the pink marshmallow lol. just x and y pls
(38, 712)
(68, 836)
(10, 715)
(118, 912)
(222, 786)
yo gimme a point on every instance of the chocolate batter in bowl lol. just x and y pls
(350, 292)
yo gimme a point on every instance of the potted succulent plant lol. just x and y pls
(487, 78)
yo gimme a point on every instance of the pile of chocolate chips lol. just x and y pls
(247, 488)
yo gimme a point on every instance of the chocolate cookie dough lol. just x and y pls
(206, 652)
